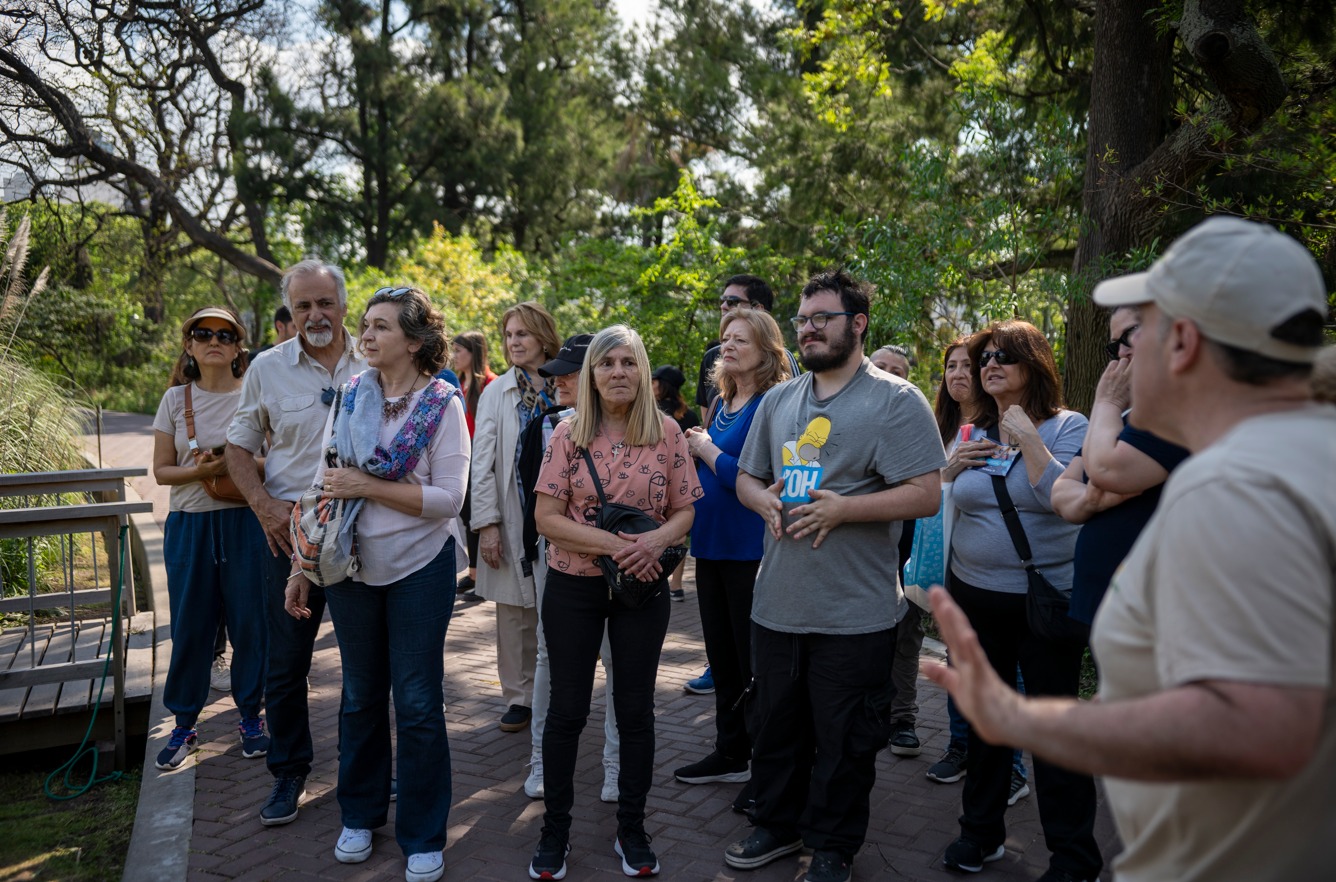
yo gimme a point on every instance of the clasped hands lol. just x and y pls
(822, 514)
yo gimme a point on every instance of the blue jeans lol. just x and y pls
(392, 637)
(291, 642)
(212, 576)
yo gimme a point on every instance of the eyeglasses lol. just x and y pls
(327, 396)
(204, 335)
(819, 320)
(1003, 357)
(733, 302)
(1115, 347)
(391, 292)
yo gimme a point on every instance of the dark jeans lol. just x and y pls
(290, 644)
(821, 707)
(1066, 799)
(212, 577)
(393, 636)
(574, 611)
(724, 591)
(905, 669)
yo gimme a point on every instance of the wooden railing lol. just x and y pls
(103, 514)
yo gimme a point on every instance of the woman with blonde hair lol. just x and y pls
(505, 409)
(727, 538)
(640, 459)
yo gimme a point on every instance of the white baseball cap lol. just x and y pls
(1238, 280)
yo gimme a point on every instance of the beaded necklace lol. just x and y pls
(393, 410)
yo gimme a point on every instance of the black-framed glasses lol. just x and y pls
(1115, 347)
(204, 335)
(819, 320)
(327, 395)
(731, 302)
(1001, 355)
(391, 292)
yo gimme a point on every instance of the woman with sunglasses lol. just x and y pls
(403, 458)
(209, 574)
(1017, 406)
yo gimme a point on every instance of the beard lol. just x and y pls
(320, 338)
(836, 355)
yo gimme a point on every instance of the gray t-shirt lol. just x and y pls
(875, 432)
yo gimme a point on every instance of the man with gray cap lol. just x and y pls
(1215, 726)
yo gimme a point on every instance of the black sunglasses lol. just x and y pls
(327, 396)
(391, 292)
(204, 335)
(1114, 347)
(1001, 355)
(734, 302)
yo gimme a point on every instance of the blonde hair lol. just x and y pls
(774, 366)
(537, 321)
(644, 425)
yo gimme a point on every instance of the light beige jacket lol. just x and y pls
(495, 497)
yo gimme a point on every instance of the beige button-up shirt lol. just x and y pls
(281, 397)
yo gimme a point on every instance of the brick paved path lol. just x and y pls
(494, 827)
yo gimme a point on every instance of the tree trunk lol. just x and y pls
(1131, 95)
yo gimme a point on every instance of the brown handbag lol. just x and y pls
(220, 487)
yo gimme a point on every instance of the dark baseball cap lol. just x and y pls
(569, 359)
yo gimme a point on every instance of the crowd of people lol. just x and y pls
(573, 481)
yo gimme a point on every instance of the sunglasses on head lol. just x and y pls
(204, 335)
(391, 292)
(1001, 355)
(1114, 347)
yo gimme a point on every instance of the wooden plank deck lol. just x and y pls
(58, 643)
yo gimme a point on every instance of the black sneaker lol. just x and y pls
(950, 768)
(968, 856)
(1054, 874)
(715, 768)
(1019, 789)
(516, 718)
(759, 849)
(468, 583)
(904, 740)
(828, 866)
(678, 595)
(632, 846)
(549, 859)
(283, 800)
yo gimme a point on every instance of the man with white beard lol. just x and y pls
(286, 398)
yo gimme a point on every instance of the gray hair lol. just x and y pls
(312, 266)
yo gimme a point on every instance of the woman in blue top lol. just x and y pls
(727, 537)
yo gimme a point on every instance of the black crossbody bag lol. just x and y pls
(618, 518)
(1045, 606)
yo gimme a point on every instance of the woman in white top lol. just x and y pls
(404, 434)
(209, 573)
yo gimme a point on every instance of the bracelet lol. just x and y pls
(292, 576)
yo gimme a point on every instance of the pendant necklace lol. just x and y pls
(393, 410)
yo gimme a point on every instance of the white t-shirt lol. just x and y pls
(213, 414)
(1233, 579)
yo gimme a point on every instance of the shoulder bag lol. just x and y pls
(220, 487)
(1045, 606)
(617, 518)
(316, 521)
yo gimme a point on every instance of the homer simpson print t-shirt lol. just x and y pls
(875, 432)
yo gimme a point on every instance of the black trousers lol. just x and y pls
(821, 707)
(574, 611)
(724, 591)
(1066, 799)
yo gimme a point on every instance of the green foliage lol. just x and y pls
(83, 840)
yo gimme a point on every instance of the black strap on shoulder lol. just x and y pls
(1010, 516)
(598, 485)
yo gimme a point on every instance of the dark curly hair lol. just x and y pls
(1028, 345)
(420, 322)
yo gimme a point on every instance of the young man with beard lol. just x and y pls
(835, 461)
(286, 397)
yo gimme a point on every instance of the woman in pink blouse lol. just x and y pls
(403, 457)
(642, 460)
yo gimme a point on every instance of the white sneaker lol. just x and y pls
(427, 866)
(354, 846)
(611, 790)
(220, 676)
(533, 785)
